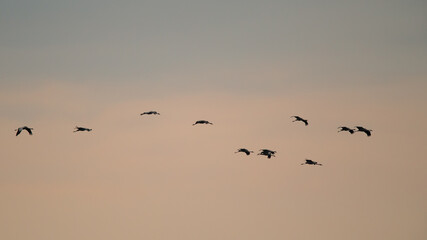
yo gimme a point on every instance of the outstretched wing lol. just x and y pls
(308, 161)
(18, 131)
(359, 128)
(29, 131)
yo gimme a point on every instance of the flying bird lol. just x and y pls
(362, 129)
(81, 129)
(267, 152)
(350, 130)
(19, 130)
(269, 155)
(244, 150)
(150, 113)
(311, 162)
(202, 122)
(298, 118)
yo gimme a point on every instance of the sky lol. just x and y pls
(246, 66)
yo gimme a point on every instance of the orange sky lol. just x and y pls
(159, 177)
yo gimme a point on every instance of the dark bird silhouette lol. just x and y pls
(311, 162)
(150, 113)
(19, 130)
(298, 118)
(350, 130)
(81, 129)
(244, 150)
(362, 129)
(267, 152)
(269, 155)
(202, 122)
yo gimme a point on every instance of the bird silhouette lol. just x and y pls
(298, 118)
(350, 130)
(244, 150)
(311, 162)
(19, 130)
(81, 129)
(267, 152)
(202, 122)
(362, 129)
(150, 113)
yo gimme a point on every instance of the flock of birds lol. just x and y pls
(270, 153)
(264, 152)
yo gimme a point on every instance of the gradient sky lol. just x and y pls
(246, 66)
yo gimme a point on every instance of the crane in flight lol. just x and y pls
(267, 152)
(244, 150)
(202, 122)
(150, 113)
(350, 130)
(310, 162)
(298, 118)
(19, 130)
(81, 129)
(362, 129)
